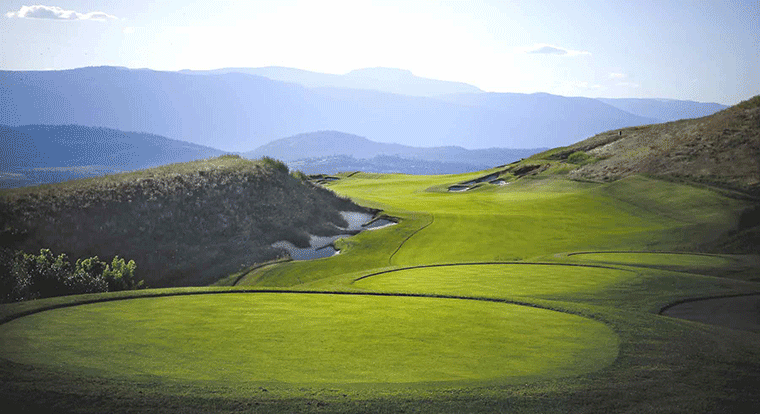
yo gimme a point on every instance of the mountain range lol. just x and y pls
(329, 152)
(389, 80)
(384, 164)
(39, 154)
(43, 154)
(237, 111)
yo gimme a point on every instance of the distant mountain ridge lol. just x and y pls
(404, 82)
(38, 154)
(398, 81)
(43, 154)
(664, 109)
(331, 150)
(324, 143)
(384, 164)
(238, 112)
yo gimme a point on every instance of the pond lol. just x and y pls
(322, 246)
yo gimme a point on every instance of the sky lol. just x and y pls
(707, 51)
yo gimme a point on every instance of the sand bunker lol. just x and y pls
(492, 178)
(378, 224)
(319, 247)
(355, 220)
(322, 246)
(736, 312)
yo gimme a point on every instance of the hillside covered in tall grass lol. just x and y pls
(183, 224)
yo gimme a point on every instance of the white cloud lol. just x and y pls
(546, 49)
(128, 30)
(614, 75)
(57, 13)
(628, 84)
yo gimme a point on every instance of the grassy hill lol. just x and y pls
(184, 224)
(721, 149)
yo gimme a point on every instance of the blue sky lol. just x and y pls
(706, 51)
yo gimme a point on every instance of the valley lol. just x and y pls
(618, 273)
(532, 291)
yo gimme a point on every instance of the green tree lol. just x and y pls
(87, 277)
(27, 276)
(120, 275)
(47, 273)
(275, 164)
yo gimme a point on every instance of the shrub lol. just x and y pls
(27, 276)
(87, 277)
(12, 288)
(275, 164)
(578, 157)
(120, 275)
(299, 175)
(47, 274)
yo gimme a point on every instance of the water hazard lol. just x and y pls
(322, 246)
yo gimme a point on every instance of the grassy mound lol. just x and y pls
(252, 339)
(183, 224)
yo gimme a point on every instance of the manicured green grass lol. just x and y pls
(496, 281)
(655, 259)
(310, 339)
(605, 350)
(529, 219)
(535, 218)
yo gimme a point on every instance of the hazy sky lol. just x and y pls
(699, 50)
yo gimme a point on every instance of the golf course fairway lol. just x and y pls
(495, 280)
(243, 338)
(654, 259)
(541, 295)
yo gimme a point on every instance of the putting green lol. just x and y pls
(498, 280)
(654, 259)
(309, 339)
